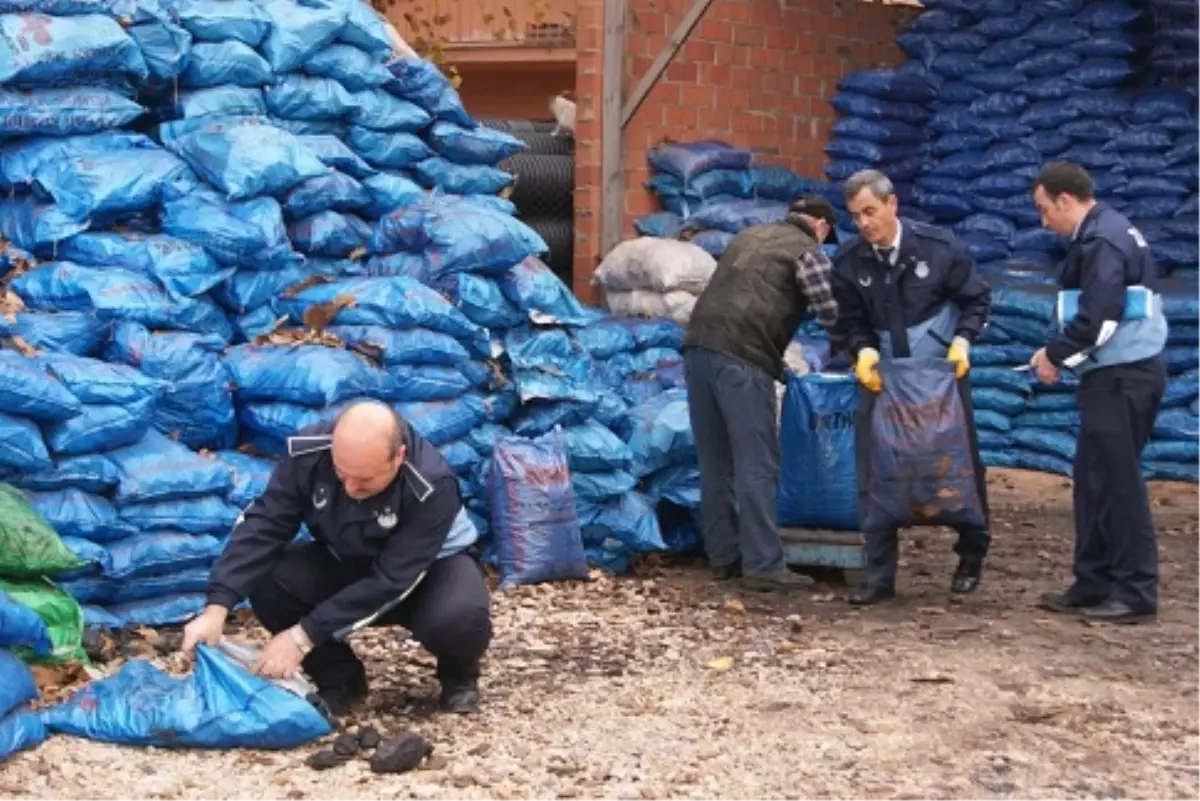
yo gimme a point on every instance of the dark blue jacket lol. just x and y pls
(1107, 255)
(933, 294)
(391, 539)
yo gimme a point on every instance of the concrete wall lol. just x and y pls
(753, 73)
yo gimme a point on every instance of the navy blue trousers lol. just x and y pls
(448, 612)
(1116, 548)
(733, 411)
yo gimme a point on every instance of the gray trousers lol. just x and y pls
(733, 413)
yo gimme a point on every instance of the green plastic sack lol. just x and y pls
(29, 548)
(59, 611)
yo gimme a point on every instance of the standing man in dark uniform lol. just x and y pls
(738, 333)
(390, 540)
(905, 289)
(1122, 382)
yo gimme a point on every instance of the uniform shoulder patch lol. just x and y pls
(304, 446)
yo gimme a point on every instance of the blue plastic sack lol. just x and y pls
(474, 145)
(659, 433)
(351, 67)
(217, 102)
(458, 179)
(277, 421)
(204, 515)
(94, 554)
(95, 381)
(427, 382)
(541, 295)
(888, 84)
(1102, 73)
(392, 302)
(250, 476)
(389, 150)
(20, 731)
(221, 20)
(606, 339)
(685, 160)
(114, 294)
(602, 486)
(534, 520)
(42, 50)
(818, 485)
(21, 445)
(334, 153)
(306, 97)
(28, 390)
(91, 473)
(100, 427)
(999, 104)
(483, 438)
(629, 520)
(225, 63)
(458, 236)
(442, 422)
(165, 46)
(919, 470)
(332, 192)
(592, 447)
(412, 346)
(181, 267)
(161, 552)
(35, 226)
(330, 235)
(219, 705)
(661, 224)
(310, 375)
(381, 111)
(423, 83)
(390, 192)
(251, 233)
(299, 30)
(249, 160)
(22, 627)
(158, 469)
(119, 182)
(74, 513)
(16, 686)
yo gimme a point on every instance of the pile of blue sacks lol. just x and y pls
(20, 628)
(226, 219)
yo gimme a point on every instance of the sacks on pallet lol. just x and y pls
(818, 482)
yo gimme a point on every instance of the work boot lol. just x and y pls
(1116, 612)
(966, 577)
(782, 579)
(461, 698)
(871, 594)
(727, 572)
(343, 699)
(1064, 603)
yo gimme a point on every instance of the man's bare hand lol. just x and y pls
(281, 658)
(207, 628)
(1047, 373)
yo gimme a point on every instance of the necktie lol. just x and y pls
(885, 255)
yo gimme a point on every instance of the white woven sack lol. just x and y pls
(662, 265)
(675, 306)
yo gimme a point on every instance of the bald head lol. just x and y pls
(368, 448)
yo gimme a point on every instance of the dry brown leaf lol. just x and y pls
(721, 664)
(735, 605)
(313, 280)
(932, 610)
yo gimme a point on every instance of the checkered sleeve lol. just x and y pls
(813, 271)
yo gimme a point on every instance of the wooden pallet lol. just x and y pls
(842, 550)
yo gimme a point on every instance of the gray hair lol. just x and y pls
(879, 184)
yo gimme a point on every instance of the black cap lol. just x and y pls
(822, 209)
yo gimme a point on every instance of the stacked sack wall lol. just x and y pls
(754, 74)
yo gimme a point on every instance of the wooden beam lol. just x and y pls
(682, 31)
(612, 176)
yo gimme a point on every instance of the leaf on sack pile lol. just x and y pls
(57, 683)
(320, 315)
(24, 348)
(313, 280)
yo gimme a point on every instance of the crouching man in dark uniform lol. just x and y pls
(390, 539)
(905, 289)
(1121, 385)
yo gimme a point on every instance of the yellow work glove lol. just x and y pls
(959, 355)
(865, 369)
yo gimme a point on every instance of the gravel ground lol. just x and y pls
(664, 686)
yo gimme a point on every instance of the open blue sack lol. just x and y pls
(919, 469)
(818, 483)
(310, 375)
(392, 302)
(181, 267)
(74, 513)
(249, 160)
(422, 82)
(22, 627)
(473, 145)
(157, 468)
(42, 50)
(533, 512)
(219, 705)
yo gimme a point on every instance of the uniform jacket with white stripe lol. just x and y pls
(389, 539)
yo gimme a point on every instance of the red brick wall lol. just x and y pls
(751, 74)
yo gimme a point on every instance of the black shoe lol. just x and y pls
(1063, 603)
(782, 579)
(868, 594)
(1116, 612)
(343, 699)
(726, 572)
(966, 577)
(461, 699)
